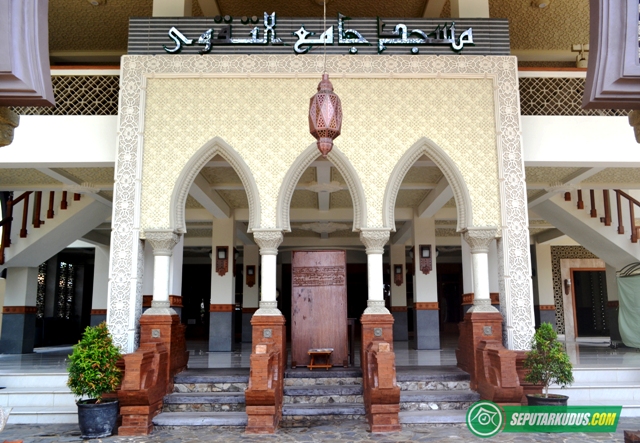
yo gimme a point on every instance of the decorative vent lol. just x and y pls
(98, 95)
(557, 96)
(80, 95)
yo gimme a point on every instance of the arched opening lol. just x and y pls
(427, 204)
(321, 207)
(215, 204)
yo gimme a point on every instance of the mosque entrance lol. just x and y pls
(319, 306)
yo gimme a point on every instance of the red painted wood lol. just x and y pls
(319, 305)
(607, 207)
(50, 212)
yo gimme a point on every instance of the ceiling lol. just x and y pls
(82, 33)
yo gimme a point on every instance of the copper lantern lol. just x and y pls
(325, 115)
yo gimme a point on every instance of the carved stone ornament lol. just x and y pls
(268, 308)
(162, 241)
(334, 186)
(376, 307)
(562, 187)
(9, 120)
(426, 265)
(268, 240)
(482, 305)
(480, 238)
(374, 240)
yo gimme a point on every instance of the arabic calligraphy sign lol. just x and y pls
(275, 35)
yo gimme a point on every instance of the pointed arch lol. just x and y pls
(449, 169)
(215, 146)
(342, 164)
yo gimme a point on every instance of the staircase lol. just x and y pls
(603, 222)
(215, 397)
(604, 386)
(31, 234)
(38, 398)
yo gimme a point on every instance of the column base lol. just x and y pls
(475, 327)
(168, 330)
(427, 328)
(221, 331)
(264, 395)
(381, 392)
(18, 330)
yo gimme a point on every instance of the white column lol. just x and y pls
(544, 274)
(251, 295)
(425, 287)
(163, 242)
(470, 8)
(374, 240)
(268, 240)
(398, 293)
(479, 240)
(175, 276)
(172, 8)
(223, 287)
(147, 277)
(100, 283)
(494, 285)
(467, 268)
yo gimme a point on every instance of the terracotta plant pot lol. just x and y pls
(552, 400)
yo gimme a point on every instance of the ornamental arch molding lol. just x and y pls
(427, 147)
(213, 147)
(346, 169)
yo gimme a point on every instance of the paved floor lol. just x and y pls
(334, 431)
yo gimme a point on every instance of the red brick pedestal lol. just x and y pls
(266, 381)
(168, 330)
(381, 392)
(475, 327)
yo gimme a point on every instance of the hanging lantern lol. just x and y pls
(325, 115)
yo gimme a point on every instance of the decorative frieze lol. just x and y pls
(374, 240)
(162, 241)
(479, 238)
(268, 240)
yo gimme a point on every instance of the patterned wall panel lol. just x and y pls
(559, 253)
(98, 95)
(80, 95)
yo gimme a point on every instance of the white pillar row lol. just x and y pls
(100, 284)
(544, 276)
(268, 240)
(162, 242)
(425, 287)
(398, 258)
(250, 295)
(175, 277)
(479, 240)
(223, 286)
(467, 268)
(374, 240)
(494, 284)
(172, 8)
(469, 8)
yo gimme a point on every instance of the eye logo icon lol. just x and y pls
(485, 419)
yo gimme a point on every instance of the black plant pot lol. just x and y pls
(97, 420)
(552, 400)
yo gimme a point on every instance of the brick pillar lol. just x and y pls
(168, 330)
(382, 402)
(475, 327)
(265, 391)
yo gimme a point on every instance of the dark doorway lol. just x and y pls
(590, 303)
(196, 296)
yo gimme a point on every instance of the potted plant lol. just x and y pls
(547, 363)
(93, 372)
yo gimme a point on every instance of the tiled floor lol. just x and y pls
(583, 355)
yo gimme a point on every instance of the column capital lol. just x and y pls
(479, 238)
(9, 120)
(268, 240)
(161, 240)
(374, 239)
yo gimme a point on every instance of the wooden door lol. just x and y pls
(318, 305)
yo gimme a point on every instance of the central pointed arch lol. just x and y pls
(449, 169)
(346, 169)
(215, 146)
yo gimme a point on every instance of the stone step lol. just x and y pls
(331, 373)
(204, 402)
(341, 381)
(211, 380)
(323, 390)
(439, 396)
(43, 397)
(22, 415)
(201, 419)
(34, 380)
(434, 385)
(433, 417)
(343, 409)
(427, 374)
